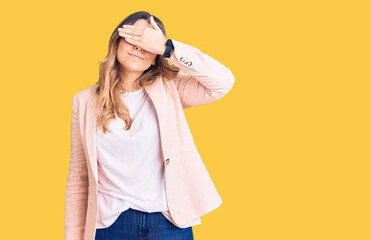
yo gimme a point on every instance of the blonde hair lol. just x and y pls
(108, 92)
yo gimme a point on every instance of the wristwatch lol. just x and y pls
(169, 48)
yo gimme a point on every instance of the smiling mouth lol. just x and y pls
(135, 56)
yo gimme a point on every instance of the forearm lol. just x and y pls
(205, 79)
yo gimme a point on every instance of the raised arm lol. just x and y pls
(202, 79)
(77, 183)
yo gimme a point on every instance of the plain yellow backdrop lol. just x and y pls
(288, 148)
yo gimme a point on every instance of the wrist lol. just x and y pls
(169, 49)
(163, 47)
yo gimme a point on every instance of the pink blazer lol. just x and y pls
(189, 189)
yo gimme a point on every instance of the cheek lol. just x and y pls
(122, 51)
(151, 58)
(123, 46)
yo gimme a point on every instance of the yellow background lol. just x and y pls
(288, 148)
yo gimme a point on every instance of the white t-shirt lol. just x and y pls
(130, 165)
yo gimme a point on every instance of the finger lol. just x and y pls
(133, 31)
(132, 37)
(154, 24)
(132, 27)
(133, 42)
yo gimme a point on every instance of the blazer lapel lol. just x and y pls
(91, 133)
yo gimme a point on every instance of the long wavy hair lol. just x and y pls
(108, 92)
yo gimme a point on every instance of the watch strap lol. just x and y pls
(169, 48)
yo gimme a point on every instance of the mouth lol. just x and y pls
(136, 56)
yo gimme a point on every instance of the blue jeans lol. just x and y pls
(133, 224)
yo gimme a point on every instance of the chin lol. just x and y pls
(135, 69)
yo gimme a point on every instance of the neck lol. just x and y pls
(128, 79)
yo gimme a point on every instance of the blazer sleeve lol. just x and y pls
(201, 78)
(77, 183)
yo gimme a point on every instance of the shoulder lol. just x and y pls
(85, 93)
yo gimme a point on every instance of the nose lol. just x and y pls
(139, 48)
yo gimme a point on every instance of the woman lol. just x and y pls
(135, 171)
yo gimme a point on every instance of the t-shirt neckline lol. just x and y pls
(133, 93)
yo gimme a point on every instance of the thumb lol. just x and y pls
(154, 24)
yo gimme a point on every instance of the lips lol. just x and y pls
(136, 56)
